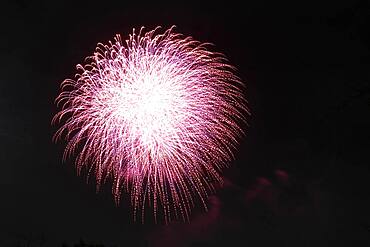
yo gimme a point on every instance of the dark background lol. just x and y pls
(302, 172)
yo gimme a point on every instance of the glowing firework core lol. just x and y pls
(159, 114)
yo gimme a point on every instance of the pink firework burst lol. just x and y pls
(159, 114)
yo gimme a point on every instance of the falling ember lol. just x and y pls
(159, 114)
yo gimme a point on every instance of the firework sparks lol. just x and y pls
(159, 114)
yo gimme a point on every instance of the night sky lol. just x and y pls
(301, 175)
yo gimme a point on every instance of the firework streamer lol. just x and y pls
(159, 114)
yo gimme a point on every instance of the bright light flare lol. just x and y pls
(159, 114)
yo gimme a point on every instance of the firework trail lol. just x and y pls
(159, 114)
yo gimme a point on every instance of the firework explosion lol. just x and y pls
(159, 114)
